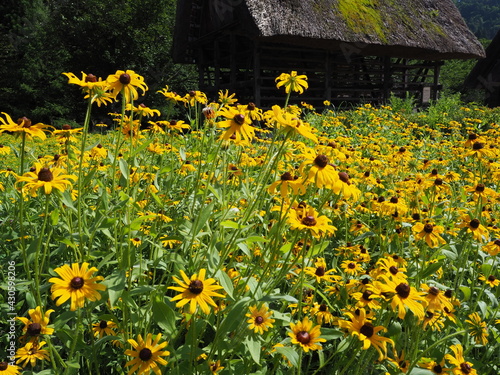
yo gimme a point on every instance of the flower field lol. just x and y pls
(220, 238)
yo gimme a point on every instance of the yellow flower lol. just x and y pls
(461, 366)
(6, 369)
(292, 82)
(45, 178)
(286, 183)
(321, 172)
(215, 367)
(491, 280)
(37, 324)
(479, 232)
(291, 124)
(193, 97)
(104, 328)
(429, 233)
(31, 352)
(127, 82)
(146, 355)
(367, 332)
(226, 99)
(23, 125)
(305, 335)
(260, 319)
(238, 125)
(320, 272)
(196, 291)
(477, 329)
(76, 283)
(301, 219)
(93, 88)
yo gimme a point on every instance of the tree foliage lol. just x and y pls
(46, 38)
(482, 17)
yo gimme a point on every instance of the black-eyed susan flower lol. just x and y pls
(320, 172)
(436, 300)
(194, 96)
(492, 247)
(433, 320)
(8, 369)
(462, 367)
(127, 83)
(320, 272)
(196, 291)
(286, 184)
(147, 355)
(491, 280)
(143, 110)
(46, 178)
(93, 87)
(291, 124)
(474, 226)
(37, 324)
(429, 233)
(171, 96)
(352, 268)
(401, 296)
(237, 125)
(23, 125)
(367, 333)
(32, 352)
(259, 319)
(307, 219)
(104, 328)
(434, 366)
(292, 82)
(480, 151)
(77, 283)
(305, 335)
(226, 99)
(215, 367)
(477, 329)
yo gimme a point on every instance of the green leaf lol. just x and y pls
(231, 224)
(124, 169)
(286, 248)
(430, 270)
(331, 333)
(466, 291)
(317, 249)
(54, 217)
(254, 347)
(278, 297)
(235, 316)
(115, 285)
(420, 371)
(225, 282)
(202, 218)
(164, 316)
(289, 353)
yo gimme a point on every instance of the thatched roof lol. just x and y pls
(423, 29)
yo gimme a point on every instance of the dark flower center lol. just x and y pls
(309, 221)
(491, 278)
(480, 188)
(320, 271)
(45, 175)
(34, 329)
(367, 174)
(394, 200)
(239, 119)
(472, 136)
(438, 181)
(367, 330)
(402, 149)
(448, 293)
(497, 242)
(433, 290)
(251, 106)
(367, 295)
(91, 78)
(103, 324)
(344, 177)
(331, 144)
(125, 79)
(192, 93)
(477, 146)
(145, 354)
(323, 307)
(66, 127)
(196, 286)
(430, 315)
(474, 224)
(465, 368)
(403, 290)
(437, 369)
(321, 161)
(26, 122)
(428, 228)
(303, 337)
(351, 266)
(3, 366)
(77, 282)
(380, 199)
(287, 176)
(259, 320)
(394, 270)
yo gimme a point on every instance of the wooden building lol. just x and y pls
(351, 50)
(485, 75)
